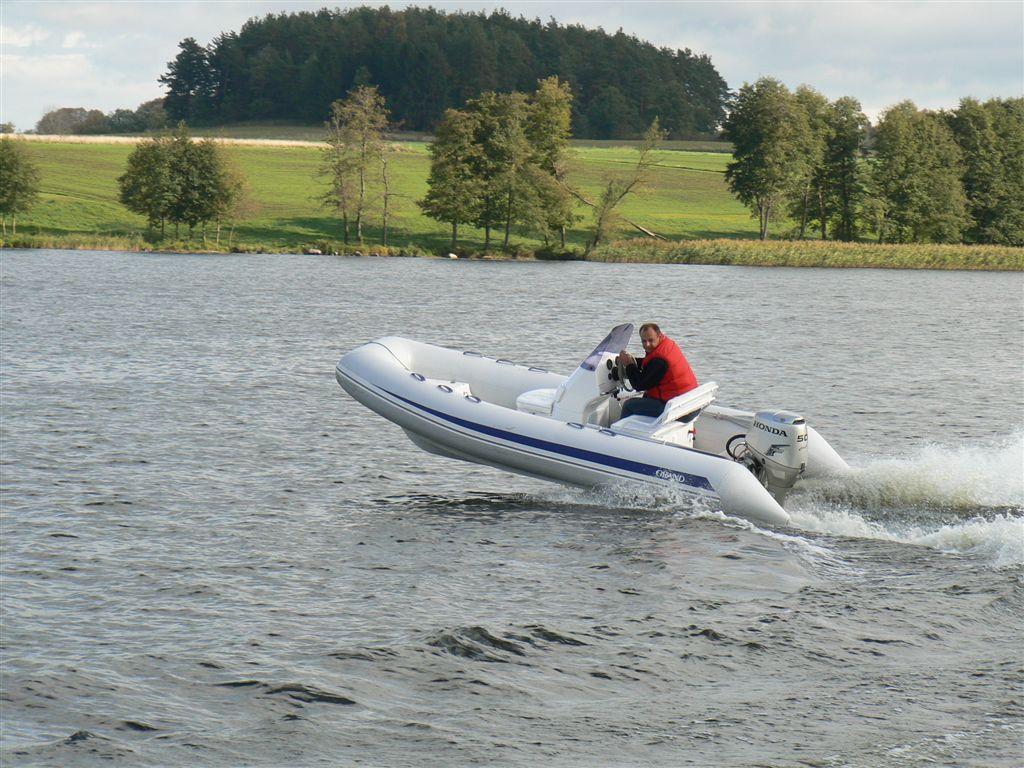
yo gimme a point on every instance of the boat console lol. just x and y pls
(592, 394)
(588, 395)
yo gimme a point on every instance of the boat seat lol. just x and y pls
(687, 406)
(675, 424)
(675, 432)
(458, 387)
(635, 426)
(537, 401)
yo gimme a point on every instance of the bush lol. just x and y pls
(557, 253)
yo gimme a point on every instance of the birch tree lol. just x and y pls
(351, 161)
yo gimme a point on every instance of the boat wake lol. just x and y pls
(966, 499)
(953, 478)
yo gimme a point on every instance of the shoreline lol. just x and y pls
(717, 252)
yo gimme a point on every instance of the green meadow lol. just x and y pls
(686, 201)
(687, 197)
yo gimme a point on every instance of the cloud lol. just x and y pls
(33, 85)
(44, 68)
(22, 37)
(77, 39)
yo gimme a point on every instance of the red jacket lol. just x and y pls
(679, 377)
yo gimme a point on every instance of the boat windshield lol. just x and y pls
(616, 341)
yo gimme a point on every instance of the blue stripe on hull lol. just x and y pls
(636, 467)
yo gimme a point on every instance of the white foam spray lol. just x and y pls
(913, 499)
(966, 477)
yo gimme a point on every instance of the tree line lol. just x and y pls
(148, 116)
(499, 163)
(918, 176)
(424, 61)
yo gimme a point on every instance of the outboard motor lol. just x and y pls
(777, 450)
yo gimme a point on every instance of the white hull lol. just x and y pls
(423, 389)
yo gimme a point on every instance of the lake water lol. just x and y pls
(212, 556)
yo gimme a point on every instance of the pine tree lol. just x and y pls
(294, 65)
(189, 82)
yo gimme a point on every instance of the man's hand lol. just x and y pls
(624, 358)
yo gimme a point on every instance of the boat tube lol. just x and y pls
(568, 429)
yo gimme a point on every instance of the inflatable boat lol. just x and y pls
(568, 429)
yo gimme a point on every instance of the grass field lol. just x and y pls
(687, 202)
(688, 197)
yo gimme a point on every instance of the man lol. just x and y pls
(661, 375)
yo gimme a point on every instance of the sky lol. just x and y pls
(108, 55)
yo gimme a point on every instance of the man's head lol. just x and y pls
(650, 336)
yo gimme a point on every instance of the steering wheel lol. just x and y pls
(624, 384)
(617, 373)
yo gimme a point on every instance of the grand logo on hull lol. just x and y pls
(676, 477)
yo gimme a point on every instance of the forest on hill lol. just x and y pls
(292, 66)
